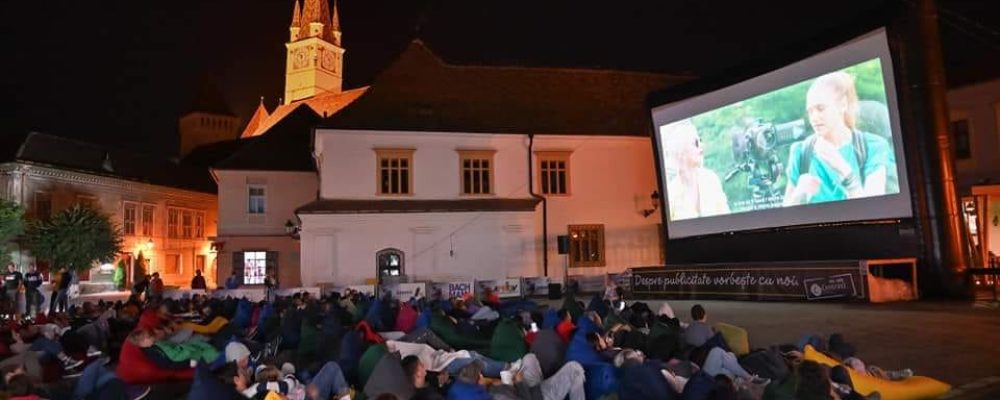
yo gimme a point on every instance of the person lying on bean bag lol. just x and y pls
(446, 328)
(135, 368)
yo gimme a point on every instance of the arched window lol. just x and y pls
(389, 263)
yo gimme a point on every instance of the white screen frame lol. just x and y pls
(871, 45)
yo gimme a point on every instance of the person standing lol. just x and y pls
(269, 285)
(32, 292)
(65, 281)
(55, 282)
(11, 282)
(233, 281)
(140, 285)
(198, 282)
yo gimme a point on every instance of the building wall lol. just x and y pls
(241, 231)
(340, 249)
(66, 188)
(348, 161)
(980, 104)
(611, 181)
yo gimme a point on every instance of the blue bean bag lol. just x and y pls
(374, 315)
(550, 319)
(597, 304)
(351, 348)
(644, 382)
(699, 387)
(601, 376)
(244, 311)
(424, 320)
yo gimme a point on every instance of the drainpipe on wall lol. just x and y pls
(545, 206)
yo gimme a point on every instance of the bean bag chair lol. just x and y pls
(351, 348)
(388, 376)
(917, 387)
(244, 311)
(765, 364)
(467, 391)
(368, 334)
(308, 340)
(208, 329)
(513, 307)
(255, 315)
(700, 387)
(551, 319)
(783, 389)
(598, 305)
(369, 359)
(736, 337)
(550, 350)
(666, 338)
(265, 313)
(149, 320)
(574, 308)
(565, 330)
(601, 376)
(206, 387)
(424, 320)
(443, 327)
(644, 382)
(507, 343)
(134, 368)
(406, 319)
(485, 313)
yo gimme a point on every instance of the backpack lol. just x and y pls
(860, 152)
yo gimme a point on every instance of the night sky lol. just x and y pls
(122, 71)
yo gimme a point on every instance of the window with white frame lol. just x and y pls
(199, 225)
(553, 172)
(394, 171)
(254, 267)
(477, 171)
(257, 200)
(148, 210)
(187, 226)
(173, 223)
(129, 218)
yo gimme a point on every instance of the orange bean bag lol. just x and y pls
(209, 329)
(914, 388)
(135, 368)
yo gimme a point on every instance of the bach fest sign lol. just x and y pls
(776, 283)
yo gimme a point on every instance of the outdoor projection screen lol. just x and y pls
(817, 141)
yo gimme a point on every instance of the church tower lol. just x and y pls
(315, 63)
(209, 120)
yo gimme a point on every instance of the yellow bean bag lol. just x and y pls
(212, 327)
(736, 337)
(917, 387)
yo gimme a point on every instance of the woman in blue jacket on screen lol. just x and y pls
(838, 161)
(692, 191)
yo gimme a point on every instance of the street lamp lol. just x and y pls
(149, 245)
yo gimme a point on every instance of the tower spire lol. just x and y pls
(335, 21)
(296, 15)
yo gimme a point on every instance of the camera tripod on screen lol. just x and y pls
(755, 152)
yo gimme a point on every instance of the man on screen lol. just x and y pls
(692, 190)
(838, 161)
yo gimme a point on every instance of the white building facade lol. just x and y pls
(459, 206)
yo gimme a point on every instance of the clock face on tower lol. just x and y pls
(300, 58)
(329, 61)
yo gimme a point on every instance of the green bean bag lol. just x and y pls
(507, 343)
(443, 327)
(736, 337)
(369, 359)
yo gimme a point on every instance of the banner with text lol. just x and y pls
(405, 291)
(536, 286)
(779, 281)
(507, 287)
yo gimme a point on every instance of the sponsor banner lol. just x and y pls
(830, 287)
(314, 291)
(405, 291)
(773, 281)
(447, 290)
(252, 294)
(367, 290)
(536, 286)
(504, 288)
(588, 283)
(182, 293)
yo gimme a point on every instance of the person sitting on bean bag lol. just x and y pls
(168, 355)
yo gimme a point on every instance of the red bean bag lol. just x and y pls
(406, 320)
(255, 317)
(368, 334)
(149, 320)
(135, 368)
